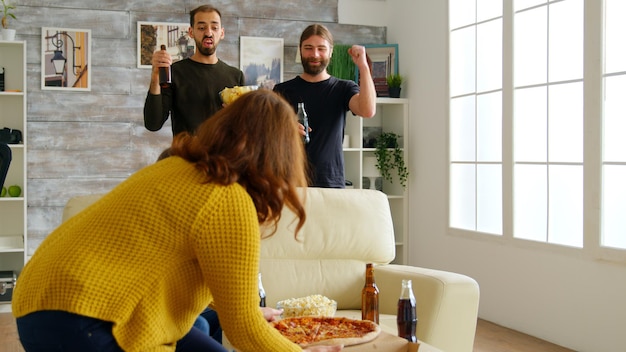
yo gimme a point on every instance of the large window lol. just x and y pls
(476, 115)
(614, 136)
(526, 95)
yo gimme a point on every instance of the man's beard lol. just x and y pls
(205, 51)
(314, 70)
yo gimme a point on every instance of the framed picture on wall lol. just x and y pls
(152, 35)
(261, 60)
(384, 62)
(65, 59)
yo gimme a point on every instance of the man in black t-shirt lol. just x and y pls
(326, 101)
(196, 81)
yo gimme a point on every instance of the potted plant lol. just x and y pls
(7, 11)
(394, 82)
(390, 156)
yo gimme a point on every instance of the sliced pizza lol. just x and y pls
(308, 331)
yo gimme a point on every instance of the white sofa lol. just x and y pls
(346, 229)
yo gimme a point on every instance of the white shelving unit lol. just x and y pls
(13, 115)
(392, 115)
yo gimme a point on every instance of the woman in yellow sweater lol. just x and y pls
(134, 270)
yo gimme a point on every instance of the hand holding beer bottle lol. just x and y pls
(161, 71)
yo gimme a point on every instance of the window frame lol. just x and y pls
(593, 105)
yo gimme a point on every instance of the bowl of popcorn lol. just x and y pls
(313, 305)
(229, 95)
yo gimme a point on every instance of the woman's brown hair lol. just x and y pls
(253, 141)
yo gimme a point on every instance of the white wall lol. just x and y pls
(572, 301)
(369, 12)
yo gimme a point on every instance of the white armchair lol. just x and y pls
(345, 229)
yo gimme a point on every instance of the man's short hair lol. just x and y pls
(202, 8)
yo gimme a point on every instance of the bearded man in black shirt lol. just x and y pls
(193, 95)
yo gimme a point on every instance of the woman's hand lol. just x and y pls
(270, 314)
(324, 348)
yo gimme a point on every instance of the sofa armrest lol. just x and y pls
(447, 304)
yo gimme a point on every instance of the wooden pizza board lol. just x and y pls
(385, 342)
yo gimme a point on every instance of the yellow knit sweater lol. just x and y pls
(150, 256)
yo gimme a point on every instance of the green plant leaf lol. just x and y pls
(390, 156)
(341, 64)
(394, 80)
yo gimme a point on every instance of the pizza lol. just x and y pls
(316, 330)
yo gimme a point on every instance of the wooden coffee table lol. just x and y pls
(386, 342)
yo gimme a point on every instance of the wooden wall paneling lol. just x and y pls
(114, 52)
(119, 5)
(61, 107)
(293, 10)
(95, 135)
(41, 221)
(103, 23)
(54, 192)
(110, 162)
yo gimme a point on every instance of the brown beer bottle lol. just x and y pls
(165, 74)
(407, 314)
(369, 296)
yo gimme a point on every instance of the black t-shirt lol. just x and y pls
(326, 104)
(194, 95)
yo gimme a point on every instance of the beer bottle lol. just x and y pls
(407, 314)
(369, 296)
(165, 74)
(304, 120)
(261, 292)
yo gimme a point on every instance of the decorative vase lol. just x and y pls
(394, 92)
(7, 34)
(371, 173)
